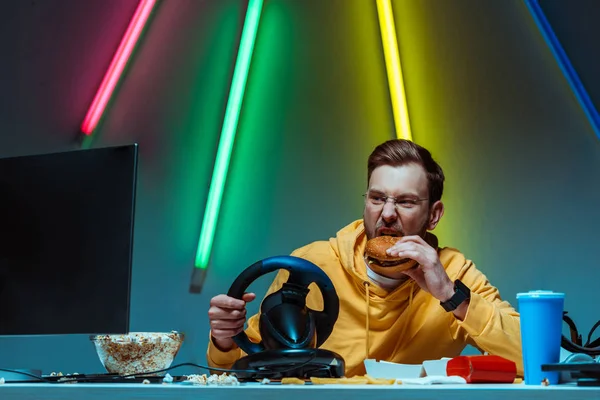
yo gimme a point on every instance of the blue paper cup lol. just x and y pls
(541, 329)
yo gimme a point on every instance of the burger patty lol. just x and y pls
(388, 263)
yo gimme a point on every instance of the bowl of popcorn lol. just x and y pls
(137, 352)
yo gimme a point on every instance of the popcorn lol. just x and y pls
(545, 382)
(214, 379)
(168, 378)
(197, 379)
(68, 378)
(137, 352)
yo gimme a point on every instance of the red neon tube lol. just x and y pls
(117, 65)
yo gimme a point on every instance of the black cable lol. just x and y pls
(258, 371)
(111, 376)
(26, 374)
(589, 338)
(190, 365)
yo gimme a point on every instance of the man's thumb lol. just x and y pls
(248, 297)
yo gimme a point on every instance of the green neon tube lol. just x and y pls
(230, 122)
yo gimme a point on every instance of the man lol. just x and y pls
(430, 311)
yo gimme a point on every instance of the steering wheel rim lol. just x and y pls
(302, 272)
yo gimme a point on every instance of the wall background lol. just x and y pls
(485, 96)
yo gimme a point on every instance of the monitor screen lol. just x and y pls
(66, 239)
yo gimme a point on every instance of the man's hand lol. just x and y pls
(227, 316)
(430, 274)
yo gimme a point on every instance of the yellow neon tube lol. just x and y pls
(394, 69)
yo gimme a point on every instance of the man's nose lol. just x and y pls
(389, 211)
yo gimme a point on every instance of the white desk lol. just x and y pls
(118, 391)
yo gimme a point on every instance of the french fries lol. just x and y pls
(355, 380)
(292, 381)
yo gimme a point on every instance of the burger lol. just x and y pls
(383, 263)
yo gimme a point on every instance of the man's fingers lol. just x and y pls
(248, 297)
(230, 324)
(216, 313)
(224, 333)
(224, 301)
(417, 275)
(402, 246)
(412, 238)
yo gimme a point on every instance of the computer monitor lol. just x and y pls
(66, 240)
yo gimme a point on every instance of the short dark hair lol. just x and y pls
(398, 152)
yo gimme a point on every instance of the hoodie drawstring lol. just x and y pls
(410, 300)
(367, 284)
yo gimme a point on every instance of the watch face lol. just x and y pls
(461, 287)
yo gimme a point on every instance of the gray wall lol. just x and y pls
(484, 92)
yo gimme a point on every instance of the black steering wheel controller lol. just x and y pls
(285, 320)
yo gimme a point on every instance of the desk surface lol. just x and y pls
(96, 391)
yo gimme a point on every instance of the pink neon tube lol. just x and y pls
(117, 65)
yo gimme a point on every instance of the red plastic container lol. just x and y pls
(482, 369)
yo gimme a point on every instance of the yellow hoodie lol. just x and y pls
(406, 325)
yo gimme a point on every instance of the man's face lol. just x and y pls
(411, 214)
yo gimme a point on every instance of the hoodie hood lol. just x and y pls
(349, 245)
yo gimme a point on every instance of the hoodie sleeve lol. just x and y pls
(491, 324)
(225, 359)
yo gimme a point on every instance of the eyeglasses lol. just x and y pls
(377, 200)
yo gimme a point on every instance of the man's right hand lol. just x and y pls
(227, 316)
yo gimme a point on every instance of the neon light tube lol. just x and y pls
(115, 70)
(232, 113)
(394, 69)
(565, 64)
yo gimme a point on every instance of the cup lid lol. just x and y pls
(544, 294)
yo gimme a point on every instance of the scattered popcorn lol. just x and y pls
(197, 379)
(168, 378)
(146, 382)
(71, 378)
(265, 381)
(67, 380)
(545, 382)
(214, 379)
(227, 380)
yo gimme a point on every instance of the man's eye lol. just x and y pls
(407, 203)
(377, 199)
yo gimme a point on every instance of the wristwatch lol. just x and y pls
(461, 293)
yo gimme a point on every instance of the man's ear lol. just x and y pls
(435, 214)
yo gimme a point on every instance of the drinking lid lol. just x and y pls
(543, 294)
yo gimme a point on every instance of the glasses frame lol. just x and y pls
(395, 200)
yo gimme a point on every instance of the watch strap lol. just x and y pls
(461, 293)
